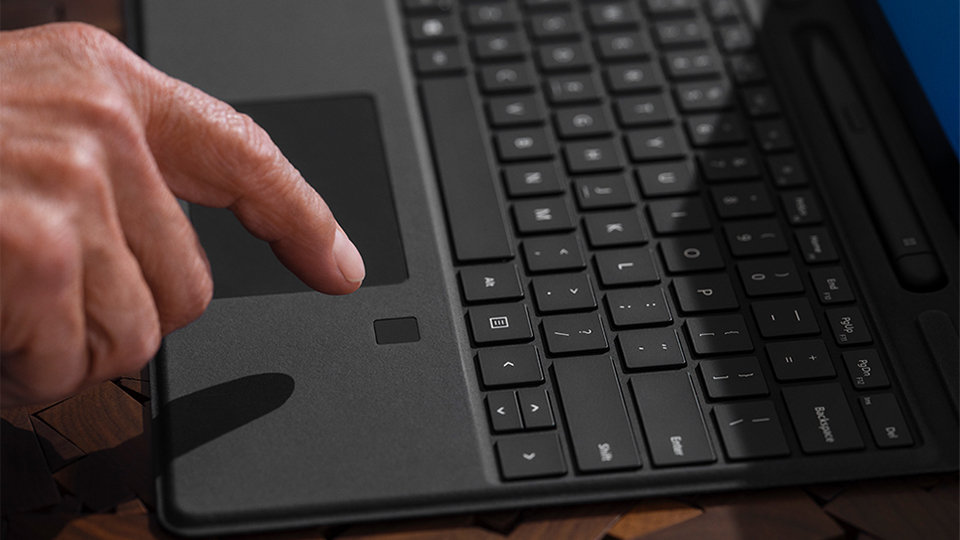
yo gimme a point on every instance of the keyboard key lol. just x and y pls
(563, 57)
(612, 15)
(490, 282)
(822, 418)
(438, 60)
(488, 15)
(524, 144)
(719, 334)
(800, 360)
(733, 164)
(515, 111)
(631, 266)
(722, 10)
(865, 369)
(600, 192)
(816, 245)
(504, 413)
(741, 200)
(658, 8)
(597, 422)
(645, 306)
(710, 292)
(770, 277)
(801, 208)
(593, 156)
(553, 254)
(726, 378)
(509, 366)
(848, 326)
(887, 425)
(657, 143)
(500, 323)
(691, 254)
(535, 408)
(831, 285)
(506, 78)
(682, 215)
(787, 170)
(760, 101)
(564, 292)
(534, 455)
(685, 64)
(478, 232)
(636, 77)
(579, 333)
(501, 46)
(614, 229)
(554, 25)
(703, 96)
(623, 46)
(750, 430)
(682, 32)
(666, 178)
(644, 110)
(433, 29)
(426, 6)
(536, 216)
(735, 37)
(756, 237)
(773, 135)
(579, 88)
(716, 129)
(651, 348)
(786, 317)
(672, 419)
(747, 68)
(530, 179)
(581, 122)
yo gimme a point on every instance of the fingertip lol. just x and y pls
(348, 259)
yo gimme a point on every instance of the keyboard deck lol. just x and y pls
(648, 273)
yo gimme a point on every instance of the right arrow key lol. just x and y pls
(535, 408)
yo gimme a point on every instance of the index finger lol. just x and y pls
(212, 155)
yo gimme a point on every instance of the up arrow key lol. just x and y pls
(508, 364)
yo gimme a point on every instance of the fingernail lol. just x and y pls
(348, 258)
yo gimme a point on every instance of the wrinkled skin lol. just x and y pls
(97, 259)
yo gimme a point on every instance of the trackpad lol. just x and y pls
(335, 143)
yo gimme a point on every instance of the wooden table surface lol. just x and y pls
(81, 468)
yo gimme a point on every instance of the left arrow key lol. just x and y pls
(504, 412)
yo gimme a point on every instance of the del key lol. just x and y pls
(596, 418)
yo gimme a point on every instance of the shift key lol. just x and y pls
(597, 422)
(672, 419)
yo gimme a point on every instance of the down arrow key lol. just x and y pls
(534, 455)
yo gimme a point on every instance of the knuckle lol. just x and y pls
(194, 299)
(109, 111)
(41, 242)
(136, 349)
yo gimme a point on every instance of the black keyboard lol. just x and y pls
(647, 271)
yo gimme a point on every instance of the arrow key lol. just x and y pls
(509, 366)
(530, 456)
(535, 407)
(504, 415)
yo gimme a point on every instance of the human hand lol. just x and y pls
(97, 259)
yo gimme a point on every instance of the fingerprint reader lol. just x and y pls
(403, 330)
